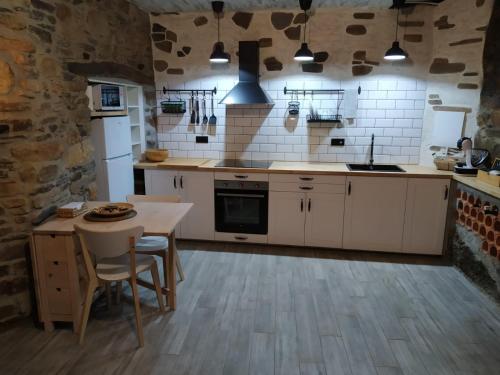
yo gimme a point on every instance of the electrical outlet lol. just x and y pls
(201, 139)
(338, 142)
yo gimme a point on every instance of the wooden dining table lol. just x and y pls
(158, 219)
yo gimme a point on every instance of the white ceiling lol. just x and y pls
(203, 5)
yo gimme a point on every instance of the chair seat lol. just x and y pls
(114, 269)
(152, 243)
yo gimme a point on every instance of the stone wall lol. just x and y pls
(455, 74)
(488, 135)
(47, 48)
(468, 245)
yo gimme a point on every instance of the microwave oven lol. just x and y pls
(108, 97)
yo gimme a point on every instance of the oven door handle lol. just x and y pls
(241, 195)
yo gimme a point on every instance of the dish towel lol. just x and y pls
(350, 103)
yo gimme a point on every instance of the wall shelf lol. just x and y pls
(315, 91)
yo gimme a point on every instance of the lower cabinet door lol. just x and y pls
(161, 182)
(374, 213)
(286, 218)
(197, 188)
(425, 217)
(324, 219)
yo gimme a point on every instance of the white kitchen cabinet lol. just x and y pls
(193, 187)
(324, 220)
(161, 182)
(304, 212)
(375, 213)
(286, 218)
(198, 188)
(425, 218)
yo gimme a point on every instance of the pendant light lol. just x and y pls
(304, 54)
(218, 55)
(396, 53)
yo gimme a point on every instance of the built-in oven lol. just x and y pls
(241, 206)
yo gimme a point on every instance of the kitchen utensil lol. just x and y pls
(197, 110)
(193, 113)
(479, 157)
(293, 107)
(156, 154)
(212, 120)
(205, 118)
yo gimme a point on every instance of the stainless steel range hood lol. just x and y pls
(248, 90)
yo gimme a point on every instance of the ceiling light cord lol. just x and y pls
(305, 24)
(397, 24)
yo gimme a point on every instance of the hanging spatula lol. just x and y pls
(204, 105)
(212, 120)
(193, 112)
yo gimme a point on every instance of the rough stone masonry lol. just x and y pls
(47, 49)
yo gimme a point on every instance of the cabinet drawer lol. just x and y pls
(240, 237)
(59, 300)
(52, 248)
(56, 273)
(305, 187)
(243, 176)
(317, 179)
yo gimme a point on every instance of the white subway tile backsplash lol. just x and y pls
(389, 108)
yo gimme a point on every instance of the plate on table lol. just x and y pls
(113, 209)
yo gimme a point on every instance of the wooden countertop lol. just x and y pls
(412, 171)
(171, 163)
(474, 183)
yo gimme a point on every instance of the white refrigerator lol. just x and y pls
(113, 155)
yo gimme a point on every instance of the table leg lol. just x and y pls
(172, 272)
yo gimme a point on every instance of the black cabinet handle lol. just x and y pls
(446, 192)
(349, 189)
(241, 238)
(56, 262)
(175, 182)
(240, 176)
(306, 187)
(306, 178)
(182, 185)
(309, 205)
(301, 205)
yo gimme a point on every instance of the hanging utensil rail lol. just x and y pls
(191, 92)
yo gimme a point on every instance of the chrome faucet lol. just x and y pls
(371, 150)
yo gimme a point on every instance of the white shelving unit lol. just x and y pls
(135, 110)
(135, 107)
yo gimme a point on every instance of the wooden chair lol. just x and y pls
(157, 245)
(116, 261)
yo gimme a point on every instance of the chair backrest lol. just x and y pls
(154, 198)
(107, 244)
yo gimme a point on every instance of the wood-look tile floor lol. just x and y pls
(266, 311)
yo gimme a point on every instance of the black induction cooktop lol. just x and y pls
(237, 163)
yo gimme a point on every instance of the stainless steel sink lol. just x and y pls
(375, 168)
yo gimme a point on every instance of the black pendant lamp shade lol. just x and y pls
(396, 53)
(304, 54)
(218, 55)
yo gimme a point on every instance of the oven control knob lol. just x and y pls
(225, 184)
(241, 184)
(257, 185)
